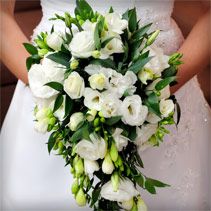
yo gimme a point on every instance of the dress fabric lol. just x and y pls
(33, 180)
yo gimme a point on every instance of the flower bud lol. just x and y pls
(96, 54)
(145, 74)
(75, 120)
(90, 115)
(127, 205)
(115, 181)
(52, 121)
(67, 19)
(54, 41)
(81, 198)
(41, 43)
(100, 114)
(42, 52)
(79, 167)
(74, 64)
(113, 152)
(141, 204)
(96, 122)
(102, 119)
(152, 37)
(107, 166)
(75, 187)
(135, 207)
(97, 81)
(166, 107)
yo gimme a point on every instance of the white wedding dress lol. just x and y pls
(33, 180)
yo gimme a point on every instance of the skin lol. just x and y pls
(196, 48)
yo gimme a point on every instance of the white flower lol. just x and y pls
(54, 41)
(144, 133)
(164, 93)
(141, 204)
(127, 205)
(145, 74)
(82, 44)
(41, 126)
(90, 115)
(90, 166)
(107, 165)
(40, 74)
(109, 104)
(92, 99)
(115, 23)
(74, 85)
(132, 110)
(97, 81)
(152, 118)
(75, 120)
(159, 62)
(92, 150)
(166, 107)
(89, 26)
(120, 140)
(125, 191)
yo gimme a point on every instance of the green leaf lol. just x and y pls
(84, 10)
(29, 62)
(97, 37)
(55, 85)
(149, 187)
(113, 120)
(58, 102)
(157, 183)
(107, 63)
(60, 58)
(51, 141)
(134, 48)
(95, 195)
(111, 10)
(139, 180)
(132, 135)
(30, 48)
(170, 71)
(165, 82)
(139, 64)
(105, 42)
(68, 106)
(141, 32)
(132, 22)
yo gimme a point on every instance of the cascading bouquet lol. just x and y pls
(102, 90)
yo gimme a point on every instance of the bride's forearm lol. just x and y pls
(195, 50)
(13, 54)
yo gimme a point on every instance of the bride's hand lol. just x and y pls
(13, 54)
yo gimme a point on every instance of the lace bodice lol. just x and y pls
(156, 12)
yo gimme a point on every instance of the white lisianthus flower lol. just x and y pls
(54, 41)
(90, 115)
(40, 74)
(166, 107)
(74, 85)
(97, 81)
(115, 23)
(107, 165)
(132, 110)
(92, 99)
(125, 191)
(159, 62)
(145, 75)
(92, 150)
(75, 120)
(90, 166)
(120, 140)
(88, 26)
(152, 118)
(82, 44)
(41, 126)
(127, 205)
(164, 93)
(144, 133)
(109, 104)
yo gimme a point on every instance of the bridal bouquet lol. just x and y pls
(102, 89)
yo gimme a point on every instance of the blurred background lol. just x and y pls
(28, 14)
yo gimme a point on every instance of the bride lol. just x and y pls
(31, 179)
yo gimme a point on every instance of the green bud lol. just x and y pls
(41, 44)
(75, 187)
(79, 167)
(100, 114)
(128, 171)
(135, 207)
(119, 161)
(42, 52)
(81, 198)
(55, 147)
(115, 181)
(102, 119)
(78, 17)
(96, 54)
(141, 204)
(113, 152)
(152, 37)
(72, 171)
(107, 165)
(67, 19)
(96, 122)
(81, 22)
(74, 64)
(97, 129)
(52, 121)
(121, 168)
(90, 115)
(153, 140)
(60, 145)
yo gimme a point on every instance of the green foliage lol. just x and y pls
(60, 58)
(113, 120)
(51, 141)
(107, 63)
(30, 48)
(83, 10)
(55, 85)
(164, 82)
(68, 106)
(58, 102)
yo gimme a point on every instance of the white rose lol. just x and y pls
(115, 23)
(40, 74)
(92, 150)
(74, 85)
(75, 120)
(92, 99)
(132, 110)
(164, 93)
(54, 41)
(82, 44)
(120, 140)
(144, 133)
(90, 166)
(97, 81)
(125, 191)
(166, 107)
